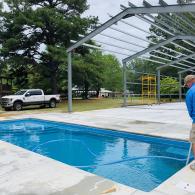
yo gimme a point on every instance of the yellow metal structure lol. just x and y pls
(148, 89)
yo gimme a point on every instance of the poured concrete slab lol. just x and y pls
(30, 173)
(25, 173)
(182, 183)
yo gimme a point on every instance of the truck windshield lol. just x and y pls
(21, 92)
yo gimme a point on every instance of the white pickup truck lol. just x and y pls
(28, 97)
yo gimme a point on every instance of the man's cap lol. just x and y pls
(188, 79)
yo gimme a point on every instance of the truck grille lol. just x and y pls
(4, 101)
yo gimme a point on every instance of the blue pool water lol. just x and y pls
(138, 161)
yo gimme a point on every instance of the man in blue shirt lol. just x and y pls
(189, 82)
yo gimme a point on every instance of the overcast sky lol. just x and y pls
(101, 8)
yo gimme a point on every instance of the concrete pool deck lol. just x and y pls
(24, 172)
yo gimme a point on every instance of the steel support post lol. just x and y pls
(124, 84)
(69, 82)
(180, 87)
(158, 85)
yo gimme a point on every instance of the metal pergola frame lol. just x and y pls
(184, 60)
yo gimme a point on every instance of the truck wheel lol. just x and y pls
(52, 103)
(17, 106)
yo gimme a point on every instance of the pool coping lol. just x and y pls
(120, 189)
(106, 128)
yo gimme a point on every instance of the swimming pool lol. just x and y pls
(141, 162)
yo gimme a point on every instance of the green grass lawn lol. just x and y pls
(81, 105)
(78, 106)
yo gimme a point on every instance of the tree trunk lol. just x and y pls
(86, 90)
(170, 99)
(54, 79)
(97, 92)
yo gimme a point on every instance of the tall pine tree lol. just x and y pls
(34, 35)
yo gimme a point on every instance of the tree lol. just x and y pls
(95, 70)
(112, 73)
(34, 35)
(169, 86)
(87, 72)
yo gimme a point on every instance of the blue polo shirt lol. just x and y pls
(190, 102)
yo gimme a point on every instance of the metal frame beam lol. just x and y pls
(182, 27)
(150, 49)
(122, 40)
(180, 87)
(183, 18)
(129, 12)
(176, 61)
(100, 48)
(69, 82)
(171, 26)
(139, 12)
(160, 27)
(151, 60)
(148, 41)
(186, 70)
(131, 50)
(169, 49)
(151, 42)
(124, 84)
(108, 50)
(146, 4)
(158, 86)
(140, 46)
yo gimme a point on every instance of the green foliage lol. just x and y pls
(95, 70)
(139, 65)
(87, 72)
(169, 85)
(34, 35)
(136, 70)
(112, 73)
